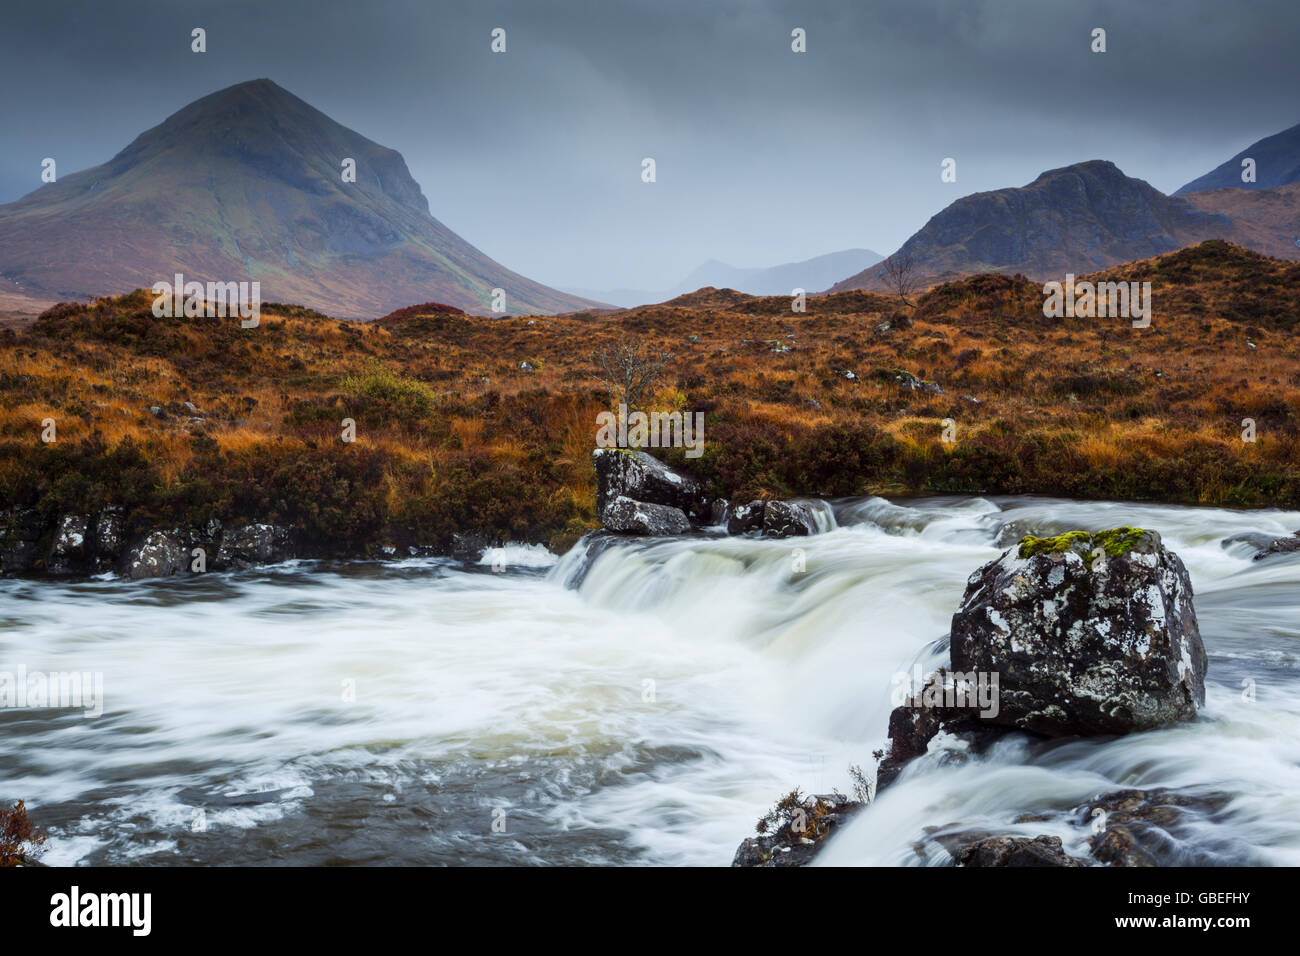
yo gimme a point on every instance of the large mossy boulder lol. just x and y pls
(1089, 633)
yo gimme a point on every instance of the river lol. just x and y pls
(427, 712)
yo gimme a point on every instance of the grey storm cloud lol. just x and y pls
(763, 155)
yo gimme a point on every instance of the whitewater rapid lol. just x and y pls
(430, 712)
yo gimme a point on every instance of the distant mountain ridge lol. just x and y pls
(1078, 219)
(1277, 163)
(811, 275)
(246, 183)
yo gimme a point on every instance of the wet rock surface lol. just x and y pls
(623, 515)
(1090, 634)
(251, 545)
(639, 477)
(1288, 544)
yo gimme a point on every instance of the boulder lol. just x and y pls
(788, 519)
(1089, 634)
(745, 518)
(626, 516)
(72, 545)
(161, 554)
(110, 532)
(773, 519)
(253, 544)
(623, 473)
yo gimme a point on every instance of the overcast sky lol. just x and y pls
(763, 155)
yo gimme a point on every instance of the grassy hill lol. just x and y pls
(471, 424)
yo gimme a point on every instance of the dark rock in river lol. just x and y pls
(788, 519)
(623, 473)
(252, 545)
(773, 519)
(110, 531)
(1089, 633)
(625, 516)
(161, 554)
(745, 518)
(70, 551)
(1015, 852)
(1285, 545)
(796, 830)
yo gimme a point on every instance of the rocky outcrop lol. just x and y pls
(80, 544)
(1089, 634)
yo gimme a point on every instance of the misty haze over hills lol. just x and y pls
(811, 275)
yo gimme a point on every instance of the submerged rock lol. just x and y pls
(1015, 851)
(1089, 633)
(1288, 544)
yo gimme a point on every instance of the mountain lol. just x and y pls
(1078, 219)
(1265, 220)
(1277, 163)
(246, 184)
(810, 275)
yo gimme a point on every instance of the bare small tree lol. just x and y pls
(630, 371)
(899, 273)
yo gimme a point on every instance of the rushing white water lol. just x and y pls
(390, 713)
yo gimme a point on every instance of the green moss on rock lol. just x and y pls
(1114, 542)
